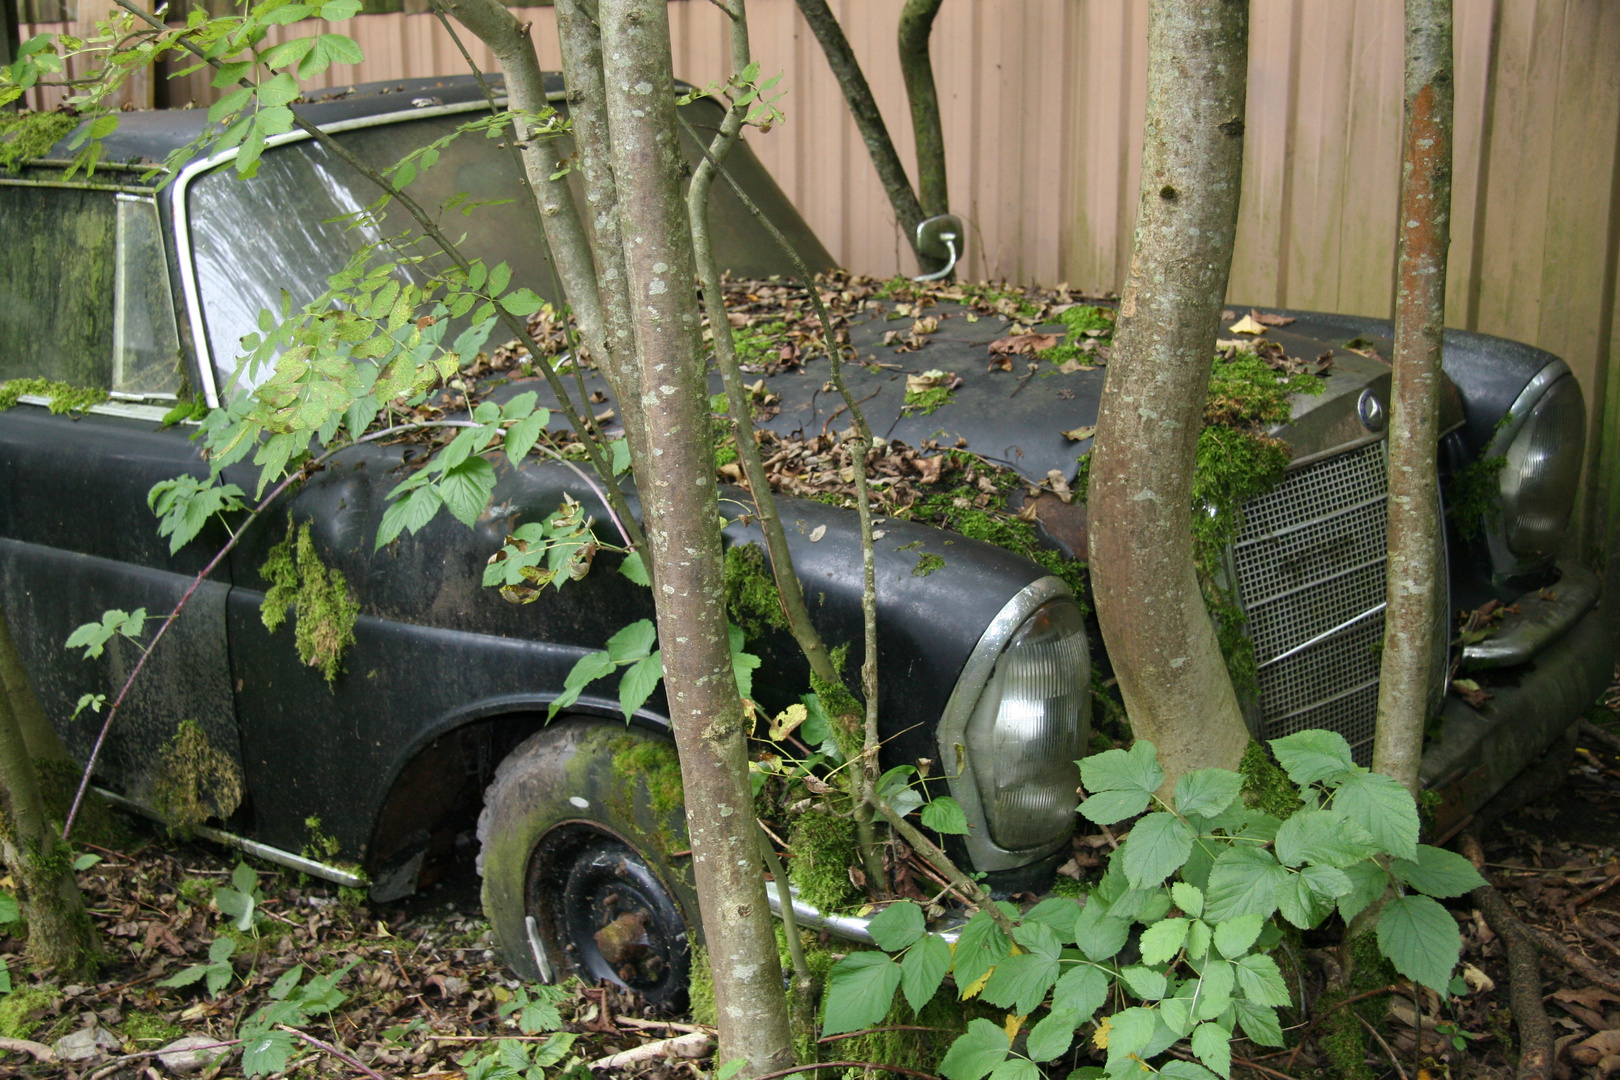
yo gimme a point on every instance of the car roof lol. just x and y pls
(150, 135)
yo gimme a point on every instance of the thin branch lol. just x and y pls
(900, 1069)
(942, 862)
(351, 1062)
(1381, 1041)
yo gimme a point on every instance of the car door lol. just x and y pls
(86, 305)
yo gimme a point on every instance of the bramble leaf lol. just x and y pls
(976, 1051)
(1136, 769)
(1437, 872)
(923, 968)
(860, 991)
(1159, 844)
(1311, 756)
(1380, 805)
(1162, 940)
(897, 926)
(1207, 792)
(1421, 940)
(1322, 836)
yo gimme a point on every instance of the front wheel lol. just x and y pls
(584, 831)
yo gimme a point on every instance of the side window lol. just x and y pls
(56, 284)
(146, 347)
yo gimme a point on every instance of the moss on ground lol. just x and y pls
(195, 780)
(19, 1009)
(65, 398)
(752, 598)
(824, 848)
(149, 1030)
(1083, 322)
(326, 611)
(26, 136)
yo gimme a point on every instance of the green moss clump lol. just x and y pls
(1081, 488)
(927, 401)
(754, 342)
(1078, 320)
(195, 780)
(1231, 468)
(145, 1027)
(1472, 496)
(725, 452)
(700, 989)
(752, 598)
(1265, 786)
(1340, 1038)
(657, 765)
(824, 848)
(95, 824)
(299, 581)
(1069, 887)
(25, 136)
(65, 398)
(17, 1009)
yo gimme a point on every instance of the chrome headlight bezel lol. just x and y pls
(1513, 554)
(982, 849)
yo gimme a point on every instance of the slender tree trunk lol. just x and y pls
(509, 40)
(916, 26)
(739, 401)
(40, 737)
(907, 210)
(1171, 672)
(680, 500)
(59, 931)
(581, 41)
(1406, 672)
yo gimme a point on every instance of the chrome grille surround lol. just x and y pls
(1309, 566)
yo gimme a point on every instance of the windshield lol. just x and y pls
(289, 227)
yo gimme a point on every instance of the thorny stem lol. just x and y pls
(863, 442)
(235, 536)
(737, 395)
(515, 326)
(351, 1062)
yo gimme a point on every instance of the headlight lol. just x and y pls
(1021, 715)
(1543, 444)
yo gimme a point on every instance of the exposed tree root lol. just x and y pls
(1535, 1033)
(1607, 738)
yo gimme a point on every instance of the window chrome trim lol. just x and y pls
(984, 853)
(182, 221)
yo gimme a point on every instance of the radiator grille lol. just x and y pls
(1309, 567)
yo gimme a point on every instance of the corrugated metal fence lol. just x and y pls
(1043, 105)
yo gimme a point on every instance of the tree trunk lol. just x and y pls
(907, 210)
(1406, 671)
(916, 26)
(59, 931)
(1159, 635)
(680, 499)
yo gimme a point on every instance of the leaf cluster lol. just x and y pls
(1177, 931)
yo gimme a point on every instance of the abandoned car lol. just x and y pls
(438, 717)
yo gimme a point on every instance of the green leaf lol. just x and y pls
(1130, 1031)
(638, 683)
(860, 992)
(1207, 792)
(586, 670)
(621, 455)
(1421, 939)
(1243, 881)
(1162, 940)
(1081, 990)
(1144, 982)
(287, 53)
(980, 947)
(1215, 984)
(499, 278)
(1311, 756)
(1016, 1068)
(1367, 883)
(185, 976)
(1157, 847)
(1437, 872)
(1136, 769)
(553, 1050)
(976, 1051)
(341, 49)
(1260, 980)
(1198, 939)
(1107, 807)
(409, 513)
(521, 436)
(633, 568)
(633, 642)
(1380, 805)
(1322, 836)
(1213, 1045)
(1099, 934)
(1020, 982)
(1052, 1036)
(9, 909)
(1058, 912)
(944, 815)
(466, 489)
(1189, 898)
(923, 968)
(898, 926)
(229, 104)
(522, 303)
(1302, 904)
(82, 862)
(279, 90)
(267, 1053)
(1234, 936)
(1259, 1023)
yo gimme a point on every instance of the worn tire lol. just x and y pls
(576, 831)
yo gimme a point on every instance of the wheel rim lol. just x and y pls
(608, 911)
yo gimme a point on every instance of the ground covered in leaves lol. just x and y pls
(422, 994)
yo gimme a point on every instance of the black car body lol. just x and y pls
(113, 279)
